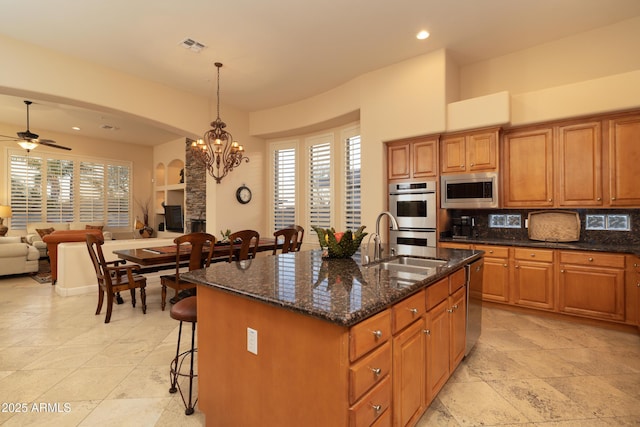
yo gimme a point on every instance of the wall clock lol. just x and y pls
(243, 194)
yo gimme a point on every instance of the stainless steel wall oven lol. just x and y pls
(413, 204)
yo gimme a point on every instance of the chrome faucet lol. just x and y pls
(377, 241)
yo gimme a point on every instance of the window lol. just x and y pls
(319, 198)
(284, 188)
(352, 182)
(329, 196)
(49, 188)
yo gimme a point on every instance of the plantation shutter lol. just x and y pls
(26, 190)
(320, 185)
(284, 195)
(352, 206)
(118, 185)
(91, 191)
(60, 195)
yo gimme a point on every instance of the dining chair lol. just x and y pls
(114, 278)
(300, 235)
(201, 247)
(248, 245)
(289, 237)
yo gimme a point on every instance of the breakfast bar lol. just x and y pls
(297, 339)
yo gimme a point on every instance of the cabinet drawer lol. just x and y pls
(372, 405)
(493, 251)
(437, 293)
(408, 310)
(534, 254)
(368, 371)
(369, 334)
(457, 280)
(592, 258)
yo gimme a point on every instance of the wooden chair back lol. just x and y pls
(202, 247)
(300, 235)
(248, 246)
(289, 237)
(94, 245)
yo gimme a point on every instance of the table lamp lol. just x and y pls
(5, 212)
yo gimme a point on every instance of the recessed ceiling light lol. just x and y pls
(422, 35)
(75, 128)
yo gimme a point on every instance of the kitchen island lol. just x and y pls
(296, 339)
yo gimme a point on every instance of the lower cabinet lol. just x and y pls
(591, 284)
(495, 282)
(632, 290)
(408, 374)
(533, 278)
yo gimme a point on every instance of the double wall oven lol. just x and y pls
(413, 204)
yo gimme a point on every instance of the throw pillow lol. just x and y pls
(44, 231)
(94, 227)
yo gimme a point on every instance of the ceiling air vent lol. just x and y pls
(108, 127)
(192, 45)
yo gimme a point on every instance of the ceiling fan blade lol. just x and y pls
(9, 138)
(50, 143)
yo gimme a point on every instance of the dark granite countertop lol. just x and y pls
(580, 246)
(341, 291)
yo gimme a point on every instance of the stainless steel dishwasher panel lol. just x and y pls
(474, 272)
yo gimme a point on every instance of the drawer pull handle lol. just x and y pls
(413, 310)
(491, 251)
(377, 334)
(533, 255)
(590, 259)
(377, 408)
(376, 371)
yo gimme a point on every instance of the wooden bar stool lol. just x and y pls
(184, 310)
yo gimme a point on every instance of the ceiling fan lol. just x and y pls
(29, 140)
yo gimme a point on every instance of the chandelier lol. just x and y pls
(217, 150)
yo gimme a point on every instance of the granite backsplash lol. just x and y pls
(605, 237)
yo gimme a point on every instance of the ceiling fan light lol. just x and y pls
(28, 145)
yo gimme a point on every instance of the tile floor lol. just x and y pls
(526, 370)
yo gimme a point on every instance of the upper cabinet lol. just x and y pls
(527, 172)
(570, 164)
(624, 161)
(414, 158)
(469, 152)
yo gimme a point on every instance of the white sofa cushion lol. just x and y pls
(10, 239)
(17, 258)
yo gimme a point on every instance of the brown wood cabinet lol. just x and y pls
(445, 331)
(496, 277)
(415, 158)
(533, 278)
(527, 173)
(624, 161)
(632, 290)
(469, 152)
(409, 374)
(579, 165)
(591, 284)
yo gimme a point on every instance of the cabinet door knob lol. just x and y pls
(462, 165)
(455, 307)
(376, 371)
(551, 200)
(428, 332)
(599, 198)
(413, 310)
(472, 164)
(638, 284)
(561, 271)
(449, 310)
(377, 408)
(505, 265)
(377, 334)
(491, 251)
(590, 259)
(517, 266)
(613, 198)
(533, 255)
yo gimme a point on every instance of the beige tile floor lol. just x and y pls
(526, 370)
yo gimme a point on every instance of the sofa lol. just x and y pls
(34, 239)
(17, 257)
(56, 237)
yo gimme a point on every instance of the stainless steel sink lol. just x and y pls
(392, 266)
(408, 261)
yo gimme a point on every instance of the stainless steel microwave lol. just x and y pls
(469, 191)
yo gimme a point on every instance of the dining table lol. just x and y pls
(164, 257)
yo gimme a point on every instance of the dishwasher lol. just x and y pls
(474, 272)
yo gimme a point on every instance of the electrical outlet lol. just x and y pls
(252, 341)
